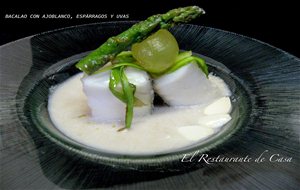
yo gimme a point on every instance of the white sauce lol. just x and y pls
(165, 130)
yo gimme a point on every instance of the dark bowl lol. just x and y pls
(264, 81)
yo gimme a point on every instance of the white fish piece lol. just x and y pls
(220, 84)
(105, 107)
(195, 132)
(215, 120)
(186, 86)
(220, 106)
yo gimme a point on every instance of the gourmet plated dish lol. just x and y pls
(139, 93)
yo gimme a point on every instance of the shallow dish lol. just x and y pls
(263, 79)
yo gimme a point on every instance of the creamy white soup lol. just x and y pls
(165, 129)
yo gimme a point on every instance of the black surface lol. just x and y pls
(274, 22)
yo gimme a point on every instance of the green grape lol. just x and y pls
(156, 53)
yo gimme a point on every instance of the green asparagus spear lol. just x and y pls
(136, 33)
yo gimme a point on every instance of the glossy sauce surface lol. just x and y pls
(165, 130)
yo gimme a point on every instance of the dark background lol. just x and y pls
(276, 23)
